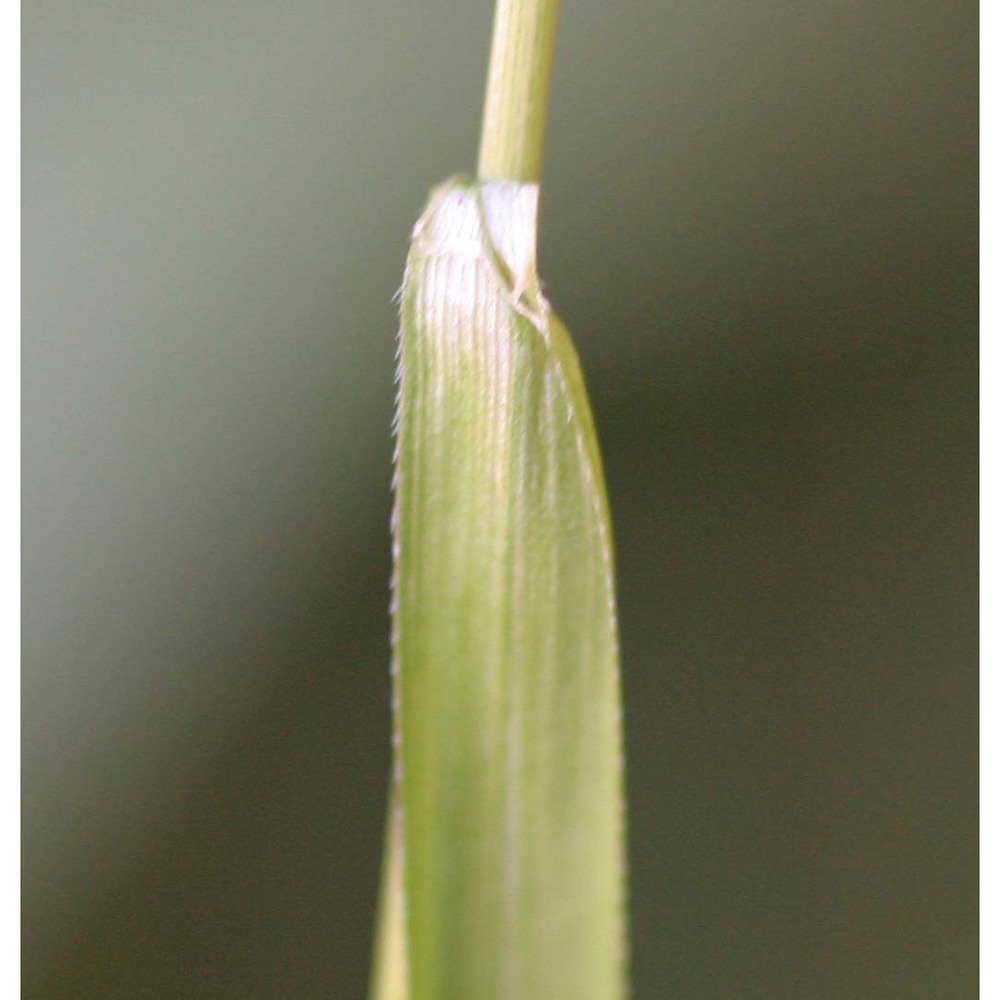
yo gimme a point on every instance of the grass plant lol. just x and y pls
(504, 874)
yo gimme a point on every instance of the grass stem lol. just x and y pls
(517, 90)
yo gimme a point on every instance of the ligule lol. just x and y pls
(505, 863)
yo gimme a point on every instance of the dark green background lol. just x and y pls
(760, 222)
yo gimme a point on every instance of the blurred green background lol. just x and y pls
(760, 222)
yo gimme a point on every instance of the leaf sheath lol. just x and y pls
(509, 770)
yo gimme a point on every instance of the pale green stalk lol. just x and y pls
(517, 90)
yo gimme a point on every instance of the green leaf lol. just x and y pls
(505, 873)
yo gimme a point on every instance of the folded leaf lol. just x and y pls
(505, 868)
